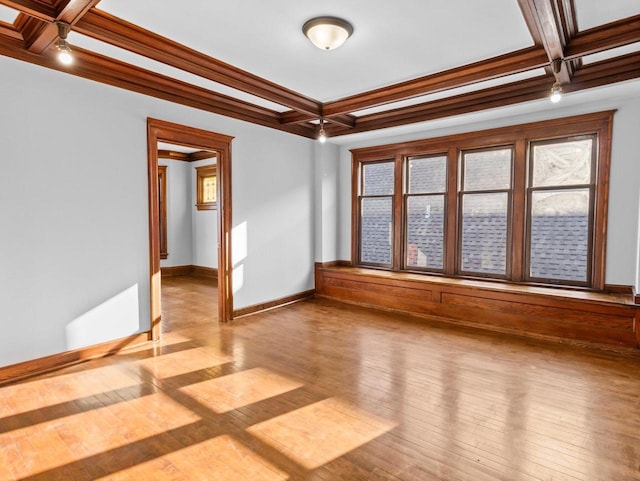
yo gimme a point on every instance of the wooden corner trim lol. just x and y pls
(620, 289)
(265, 306)
(56, 361)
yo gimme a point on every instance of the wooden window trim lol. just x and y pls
(162, 199)
(592, 187)
(203, 173)
(405, 203)
(457, 242)
(358, 205)
(599, 124)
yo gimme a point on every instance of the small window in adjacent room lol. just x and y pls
(162, 204)
(207, 187)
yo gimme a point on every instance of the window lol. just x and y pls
(521, 204)
(485, 200)
(425, 207)
(376, 213)
(560, 198)
(162, 209)
(206, 187)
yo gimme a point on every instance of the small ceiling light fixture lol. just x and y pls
(322, 135)
(64, 52)
(556, 89)
(327, 33)
(556, 93)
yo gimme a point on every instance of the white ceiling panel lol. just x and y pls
(158, 67)
(592, 13)
(177, 148)
(7, 14)
(614, 52)
(392, 41)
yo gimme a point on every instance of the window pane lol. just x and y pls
(487, 170)
(562, 163)
(378, 178)
(484, 233)
(427, 175)
(209, 189)
(425, 231)
(560, 234)
(376, 230)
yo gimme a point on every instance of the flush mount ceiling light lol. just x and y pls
(327, 33)
(64, 52)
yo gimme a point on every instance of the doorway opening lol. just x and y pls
(161, 132)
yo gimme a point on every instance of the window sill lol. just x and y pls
(207, 206)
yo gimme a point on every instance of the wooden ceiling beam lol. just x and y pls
(615, 34)
(173, 155)
(32, 8)
(293, 117)
(496, 67)
(201, 155)
(593, 75)
(39, 35)
(552, 22)
(119, 74)
(120, 33)
(8, 30)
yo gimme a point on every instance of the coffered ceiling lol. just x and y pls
(408, 61)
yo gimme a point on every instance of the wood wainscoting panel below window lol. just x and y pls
(575, 316)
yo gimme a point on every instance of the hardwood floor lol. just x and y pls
(323, 391)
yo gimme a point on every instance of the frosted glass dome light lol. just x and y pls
(327, 33)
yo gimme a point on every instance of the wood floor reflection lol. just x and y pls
(323, 391)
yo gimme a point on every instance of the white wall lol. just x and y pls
(179, 212)
(273, 217)
(622, 255)
(326, 201)
(204, 224)
(73, 210)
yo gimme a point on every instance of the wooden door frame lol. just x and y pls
(162, 131)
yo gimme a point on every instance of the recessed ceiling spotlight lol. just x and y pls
(327, 33)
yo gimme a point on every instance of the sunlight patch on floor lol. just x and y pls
(222, 458)
(183, 362)
(321, 432)
(58, 389)
(53, 444)
(234, 391)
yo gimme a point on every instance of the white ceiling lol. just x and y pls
(392, 41)
(592, 13)
(177, 148)
(7, 14)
